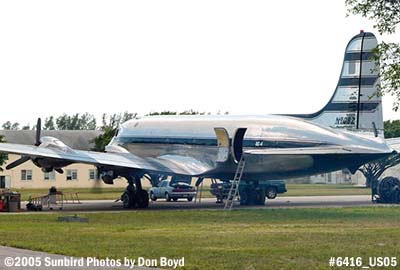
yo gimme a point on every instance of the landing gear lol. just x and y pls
(252, 194)
(134, 196)
(388, 190)
(247, 197)
(128, 199)
(260, 197)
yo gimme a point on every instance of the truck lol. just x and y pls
(250, 192)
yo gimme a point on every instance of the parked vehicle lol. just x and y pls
(172, 191)
(252, 191)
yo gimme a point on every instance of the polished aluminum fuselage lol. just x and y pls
(193, 137)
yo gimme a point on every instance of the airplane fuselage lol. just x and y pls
(194, 137)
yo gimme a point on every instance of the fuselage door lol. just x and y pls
(237, 144)
(223, 144)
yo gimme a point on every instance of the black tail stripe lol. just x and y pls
(356, 56)
(366, 81)
(351, 107)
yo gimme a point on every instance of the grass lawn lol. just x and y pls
(240, 239)
(293, 190)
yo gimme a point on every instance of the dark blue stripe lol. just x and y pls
(351, 107)
(213, 142)
(366, 81)
(358, 56)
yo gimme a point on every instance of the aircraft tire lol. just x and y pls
(128, 199)
(142, 199)
(247, 197)
(260, 197)
(389, 190)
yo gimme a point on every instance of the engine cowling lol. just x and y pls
(107, 176)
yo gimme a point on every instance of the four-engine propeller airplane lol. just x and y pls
(346, 133)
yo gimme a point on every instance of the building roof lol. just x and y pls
(76, 139)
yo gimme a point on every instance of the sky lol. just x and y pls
(244, 57)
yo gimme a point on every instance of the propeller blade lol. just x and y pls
(59, 170)
(18, 162)
(38, 131)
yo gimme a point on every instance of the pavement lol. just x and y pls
(210, 203)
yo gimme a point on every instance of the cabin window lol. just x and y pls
(49, 176)
(72, 175)
(26, 175)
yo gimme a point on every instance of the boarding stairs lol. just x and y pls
(234, 190)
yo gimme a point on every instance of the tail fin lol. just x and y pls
(354, 106)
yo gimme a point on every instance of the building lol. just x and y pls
(30, 176)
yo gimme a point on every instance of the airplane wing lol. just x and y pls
(167, 164)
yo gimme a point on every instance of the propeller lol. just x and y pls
(24, 159)
(18, 162)
(38, 131)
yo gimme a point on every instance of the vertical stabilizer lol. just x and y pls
(353, 105)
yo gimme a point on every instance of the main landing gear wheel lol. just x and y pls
(132, 198)
(260, 197)
(128, 199)
(389, 190)
(142, 199)
(247, 197)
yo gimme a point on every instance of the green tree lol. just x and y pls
(49, 123)
(3, 156)
(386, 15)
(191, 112)
(10, 126)
(109, 128)
(85, 121)
(7, 125)
(187, 112)
(392, 128)
(161, 113)
(101, 141)
(114, 120)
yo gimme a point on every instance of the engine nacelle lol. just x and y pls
(54, 143)
(107, 177)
